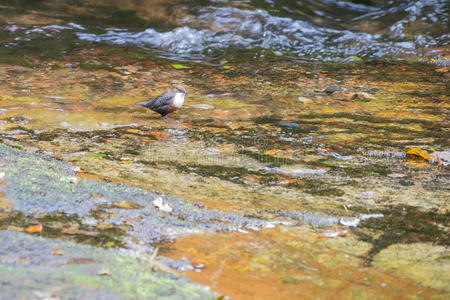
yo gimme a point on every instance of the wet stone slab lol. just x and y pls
(37, 185)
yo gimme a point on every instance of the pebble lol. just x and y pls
(353, 222)
(365, 96)
(397, 175)
(332, 89)
(304, 100)
(73, 179)
(367, 194)
(288, 124)
(2, 175)
(202, 106)
(199, 266)
(369, 216)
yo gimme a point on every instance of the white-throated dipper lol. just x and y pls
(167, 102)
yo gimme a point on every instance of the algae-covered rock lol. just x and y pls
(424, 263)
(30, 269)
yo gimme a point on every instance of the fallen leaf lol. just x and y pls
(134, 130)
(341, 95)
(97, 155)
(178, 66)
(219, 114)
(109, 244)
(355, 58)
(15, 228)
(160, 134)
(226, 67)
(197, 265)
(286, 181)
(322, 75)
(127, 221)
(132, 69)
(34, 228)
(442, 70)
(57, 251)
(332, 233)
(417, 153)
(149, 63)
(158, 203)
(125, 205)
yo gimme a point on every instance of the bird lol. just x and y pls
(167, 102)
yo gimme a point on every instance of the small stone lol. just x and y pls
(397, 175)
(367, 194)
(369, 216)
(304, 100)
(287, 124)
(364, 96)
(73, 179)
(45, 295)
(2, 176)
(199, 266)
(346, 96)
(202, 106)
(103, 273)
(269, 225)
(332, 89)
(333, 233)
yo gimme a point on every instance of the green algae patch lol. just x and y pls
(402, 225)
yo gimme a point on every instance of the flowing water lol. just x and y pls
(325, 121)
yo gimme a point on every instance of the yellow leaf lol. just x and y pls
(34, 228)
(414, 152)
(57, 251)
(178, 66)
(125, 205)
(226, 67)
(133, 130)
(442, 70)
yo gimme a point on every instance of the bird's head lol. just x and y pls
(179, 89)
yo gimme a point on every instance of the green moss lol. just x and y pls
(404, 224)
(269, 159)
(267, 119)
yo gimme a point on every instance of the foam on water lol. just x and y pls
(322, 29)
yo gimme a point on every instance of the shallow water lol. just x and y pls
(315, 150)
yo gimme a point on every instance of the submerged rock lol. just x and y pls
(440, 157)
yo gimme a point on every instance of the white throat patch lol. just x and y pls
(179, 100)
